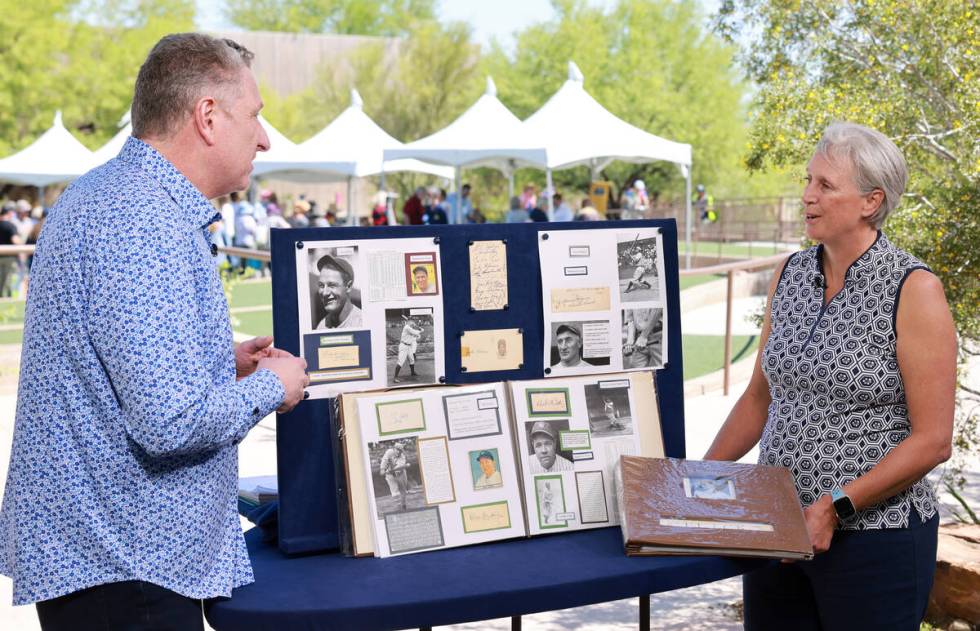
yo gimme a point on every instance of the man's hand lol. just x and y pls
(821, 519)
(291, 371)
(248, 354)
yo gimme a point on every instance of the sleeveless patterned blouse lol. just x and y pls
(838, 402)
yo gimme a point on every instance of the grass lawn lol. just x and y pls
(251, 293)
(705, 354)
(698, 279)
(253, 323)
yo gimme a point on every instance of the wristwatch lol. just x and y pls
(843, 505)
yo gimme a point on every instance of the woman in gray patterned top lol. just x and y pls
(853, 391)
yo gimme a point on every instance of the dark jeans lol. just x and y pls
(868, 579)
(125, 606)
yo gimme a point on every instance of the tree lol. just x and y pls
(908, 68)
(79, 57)
(651, 63)
(347, 17)
(410, 90)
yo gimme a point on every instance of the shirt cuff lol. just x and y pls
(262, 392)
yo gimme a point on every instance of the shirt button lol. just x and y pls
(255, 412)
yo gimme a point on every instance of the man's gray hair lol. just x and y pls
(875, 161)
(179, 70)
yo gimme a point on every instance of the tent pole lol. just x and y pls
(551, 195)
(459, 196)
(40, 196)
(687, 217)
(350, 200)
(510, 185)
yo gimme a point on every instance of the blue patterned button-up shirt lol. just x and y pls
(124, 461)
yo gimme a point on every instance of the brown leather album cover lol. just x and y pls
(672, 506)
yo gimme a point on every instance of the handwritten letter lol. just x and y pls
(488, 275)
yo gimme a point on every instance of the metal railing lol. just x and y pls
(729, 269)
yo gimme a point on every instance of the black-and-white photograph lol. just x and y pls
(396, 476)
(637, 262)
(335, 294)
(544, 447)
(609, 410)
(643, 337)
(709, 488)
(410, 346)
(550, 494)
(576, 344)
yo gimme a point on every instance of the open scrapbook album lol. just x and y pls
(443, 467)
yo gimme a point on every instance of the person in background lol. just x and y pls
(588, 212)
(8, 236)
(563, 212)
(458, 215)
(853, 391)
(246, 229)
(300, 216)
(476, 216)
(529, 197)
(414, 207)
(120, 505)
(24, 223)
(538, 214)
(435, 214)
(704, 205)
(39, 214)
(517, 213)
(270, 203)
(379, 213)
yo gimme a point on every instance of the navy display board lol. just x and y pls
(307, 497)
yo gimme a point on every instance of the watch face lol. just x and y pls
(843, 507)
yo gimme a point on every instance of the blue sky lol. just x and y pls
(489, 18)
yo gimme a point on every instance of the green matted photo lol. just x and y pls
(400, 417)
(484, 517)
(549, 492)
(574, 439)
(548, 402)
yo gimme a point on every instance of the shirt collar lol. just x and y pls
(194, 207)
(865, 264)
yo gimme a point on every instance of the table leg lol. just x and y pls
(645, 613)
(515, 623)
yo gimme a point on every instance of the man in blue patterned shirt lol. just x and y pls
(120, 504)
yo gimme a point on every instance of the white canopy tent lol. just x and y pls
(111, 149)
(577, 130)
(56, 156)
(487, 134)
(352, 145)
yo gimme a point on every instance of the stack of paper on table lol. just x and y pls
(477, 466)
(670, 506)
(258, 489)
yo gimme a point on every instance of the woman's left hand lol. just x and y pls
(821, 519)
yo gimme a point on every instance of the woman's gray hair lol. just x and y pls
(875, 161)
(176, 73)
